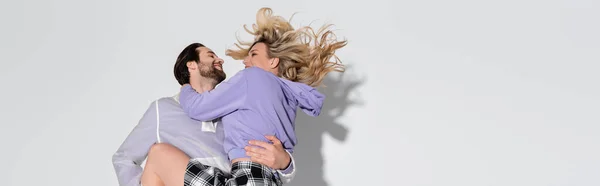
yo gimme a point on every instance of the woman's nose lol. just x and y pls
(246, 60)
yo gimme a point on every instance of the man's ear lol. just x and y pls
(274, 62)
(192, 65)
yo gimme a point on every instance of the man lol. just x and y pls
(165, 122)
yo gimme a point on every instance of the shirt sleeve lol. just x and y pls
(289, 173)
(133, 151)
(226, 98)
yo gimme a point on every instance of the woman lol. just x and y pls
(283, 65)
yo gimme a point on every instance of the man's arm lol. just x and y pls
(226, 98)
(274, 156)
(130, 155)
(288, 174)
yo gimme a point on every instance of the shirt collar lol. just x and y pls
(207, 126)
(176, 97)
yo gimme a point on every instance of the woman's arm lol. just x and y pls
(224, 99)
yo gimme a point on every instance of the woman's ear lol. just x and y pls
(274, 62)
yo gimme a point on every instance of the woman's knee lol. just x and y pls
(168, 163)
(164, 150)
(161, 148)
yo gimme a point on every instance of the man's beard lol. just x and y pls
(209, 71)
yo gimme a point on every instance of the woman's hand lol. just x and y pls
(271, 155)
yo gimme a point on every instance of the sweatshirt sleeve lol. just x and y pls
(224, 99)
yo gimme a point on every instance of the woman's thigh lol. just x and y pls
(168, 163)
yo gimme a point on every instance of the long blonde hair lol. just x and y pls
(304, 55)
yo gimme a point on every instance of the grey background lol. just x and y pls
(440, 93)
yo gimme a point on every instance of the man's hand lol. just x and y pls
(271, 155)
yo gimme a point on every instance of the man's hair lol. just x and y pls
(180, 70)
(304, 55)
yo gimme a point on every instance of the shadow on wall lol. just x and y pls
(310, 131)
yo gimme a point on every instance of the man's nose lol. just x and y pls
(220, 61)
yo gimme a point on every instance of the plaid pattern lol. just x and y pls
(252, 174)
(198, 174)
(242, 174)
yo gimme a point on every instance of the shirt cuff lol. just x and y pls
(288, 174)
(289, 169)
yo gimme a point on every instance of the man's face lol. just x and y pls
(210, 65)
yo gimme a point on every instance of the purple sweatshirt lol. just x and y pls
(252, 104)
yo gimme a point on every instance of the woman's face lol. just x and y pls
(258, 57)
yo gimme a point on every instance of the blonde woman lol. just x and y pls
(283, 67)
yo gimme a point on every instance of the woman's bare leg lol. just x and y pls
(165, 166)
(149, 178)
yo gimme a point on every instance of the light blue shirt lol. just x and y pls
(165, 122)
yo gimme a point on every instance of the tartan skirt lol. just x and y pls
(242, 173)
